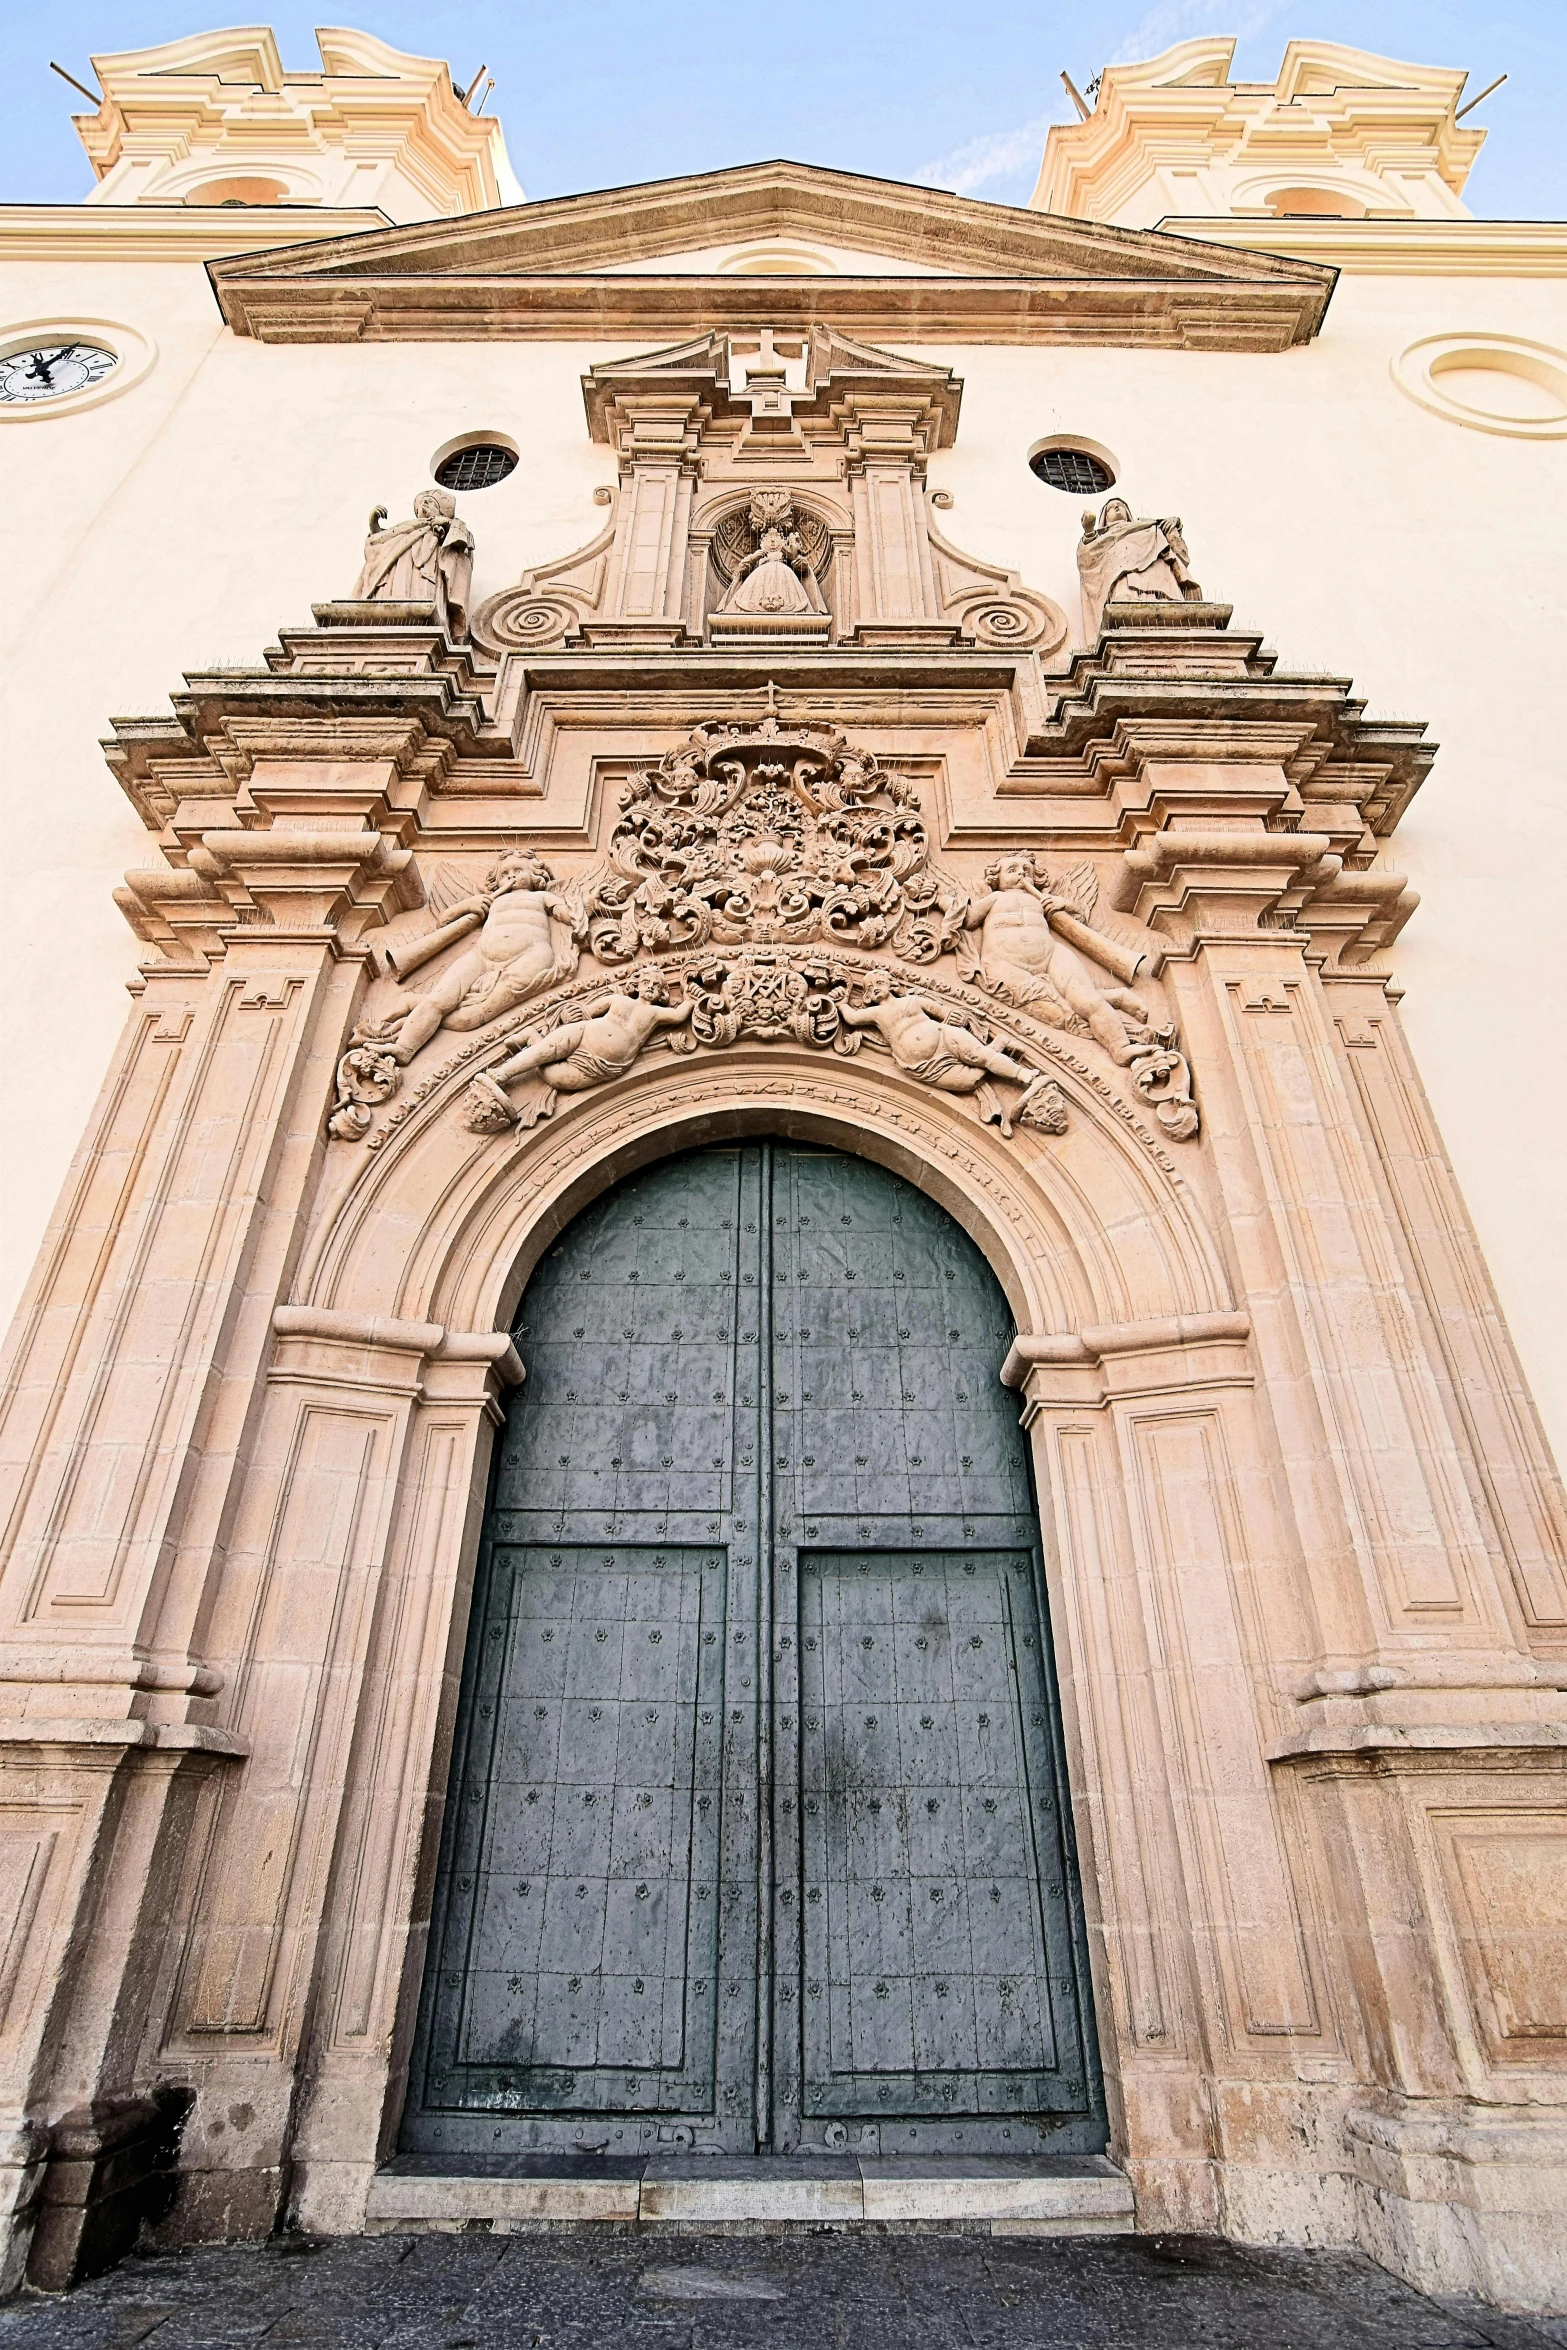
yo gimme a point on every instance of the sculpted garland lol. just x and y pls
(746, 864)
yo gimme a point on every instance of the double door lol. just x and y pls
(756, 1835)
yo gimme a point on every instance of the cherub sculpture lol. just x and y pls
(1121, 559)
(529, 935)
(1024, 956)
(925, 1040)
(426, 561)
(602, 1044)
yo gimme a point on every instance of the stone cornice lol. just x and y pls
(1151, 700)
(1395, 248)
(167, 232)
(547, 270)
(1112, 749)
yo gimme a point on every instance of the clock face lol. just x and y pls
(47, 371)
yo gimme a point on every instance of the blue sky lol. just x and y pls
(955, 95)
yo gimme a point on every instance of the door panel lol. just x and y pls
(927, 1793)
(757, 1823)
(581, 1940)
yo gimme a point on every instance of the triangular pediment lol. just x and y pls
(626, 262)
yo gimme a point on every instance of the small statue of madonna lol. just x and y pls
(776, 577)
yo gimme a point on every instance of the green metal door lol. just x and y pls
(757, 1833)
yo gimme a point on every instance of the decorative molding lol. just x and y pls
(558, 271)
(1393, 248)
(60, 233)
(841, 433)
(379, 1333)
(1420, 372)
(758, 854)
(1094, 1344)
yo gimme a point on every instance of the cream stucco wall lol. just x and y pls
(177, 525)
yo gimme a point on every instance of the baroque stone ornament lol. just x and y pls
(603, 1044)
(770, 881)
(1124, 559)
(528, 937)
(366, 1077)
(771, 553)
(771, 834)
(764, 997)
(1036, 939)
(426, 561)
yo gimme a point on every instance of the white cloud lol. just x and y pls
(1015, 154)
(997, 155)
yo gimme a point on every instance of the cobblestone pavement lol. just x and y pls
(567, 2290)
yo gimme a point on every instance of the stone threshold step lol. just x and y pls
(1061, 2196)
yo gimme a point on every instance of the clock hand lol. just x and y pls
(40, 368)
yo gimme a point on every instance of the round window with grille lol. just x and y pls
(478, 465)
(1077, 471)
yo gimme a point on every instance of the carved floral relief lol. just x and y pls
(768, 881)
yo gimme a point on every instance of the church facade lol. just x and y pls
(774, 1457)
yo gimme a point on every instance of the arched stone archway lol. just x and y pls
(757, 1826)
(1114, 1282)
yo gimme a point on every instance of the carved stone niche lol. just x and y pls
(831, 439)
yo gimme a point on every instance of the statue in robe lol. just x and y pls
(426, 561)
(776, 575)
(1124, 559)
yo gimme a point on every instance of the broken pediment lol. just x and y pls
(580, 267)
(771, 493)
(770, 386)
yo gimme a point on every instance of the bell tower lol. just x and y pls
(1341, 134)
(216, 119)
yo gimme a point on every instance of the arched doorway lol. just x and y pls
(757, 1835)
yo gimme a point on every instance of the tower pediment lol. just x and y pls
(871, 258)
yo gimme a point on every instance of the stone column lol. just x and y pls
(130, 1405)
(895, 594)
(644, 602)
(1172, 1596)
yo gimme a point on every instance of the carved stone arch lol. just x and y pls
(1090, 1228)
(417, 1271)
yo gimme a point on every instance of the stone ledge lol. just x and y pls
(1077, 2195)
(107, 1731)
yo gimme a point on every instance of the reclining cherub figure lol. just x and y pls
(925, 1040)
(601, 1044)
(1024, 958)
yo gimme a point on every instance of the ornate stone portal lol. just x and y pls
(735, 862)
(499, 919)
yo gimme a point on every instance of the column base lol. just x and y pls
(111, 2167)
(1466, 2200)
